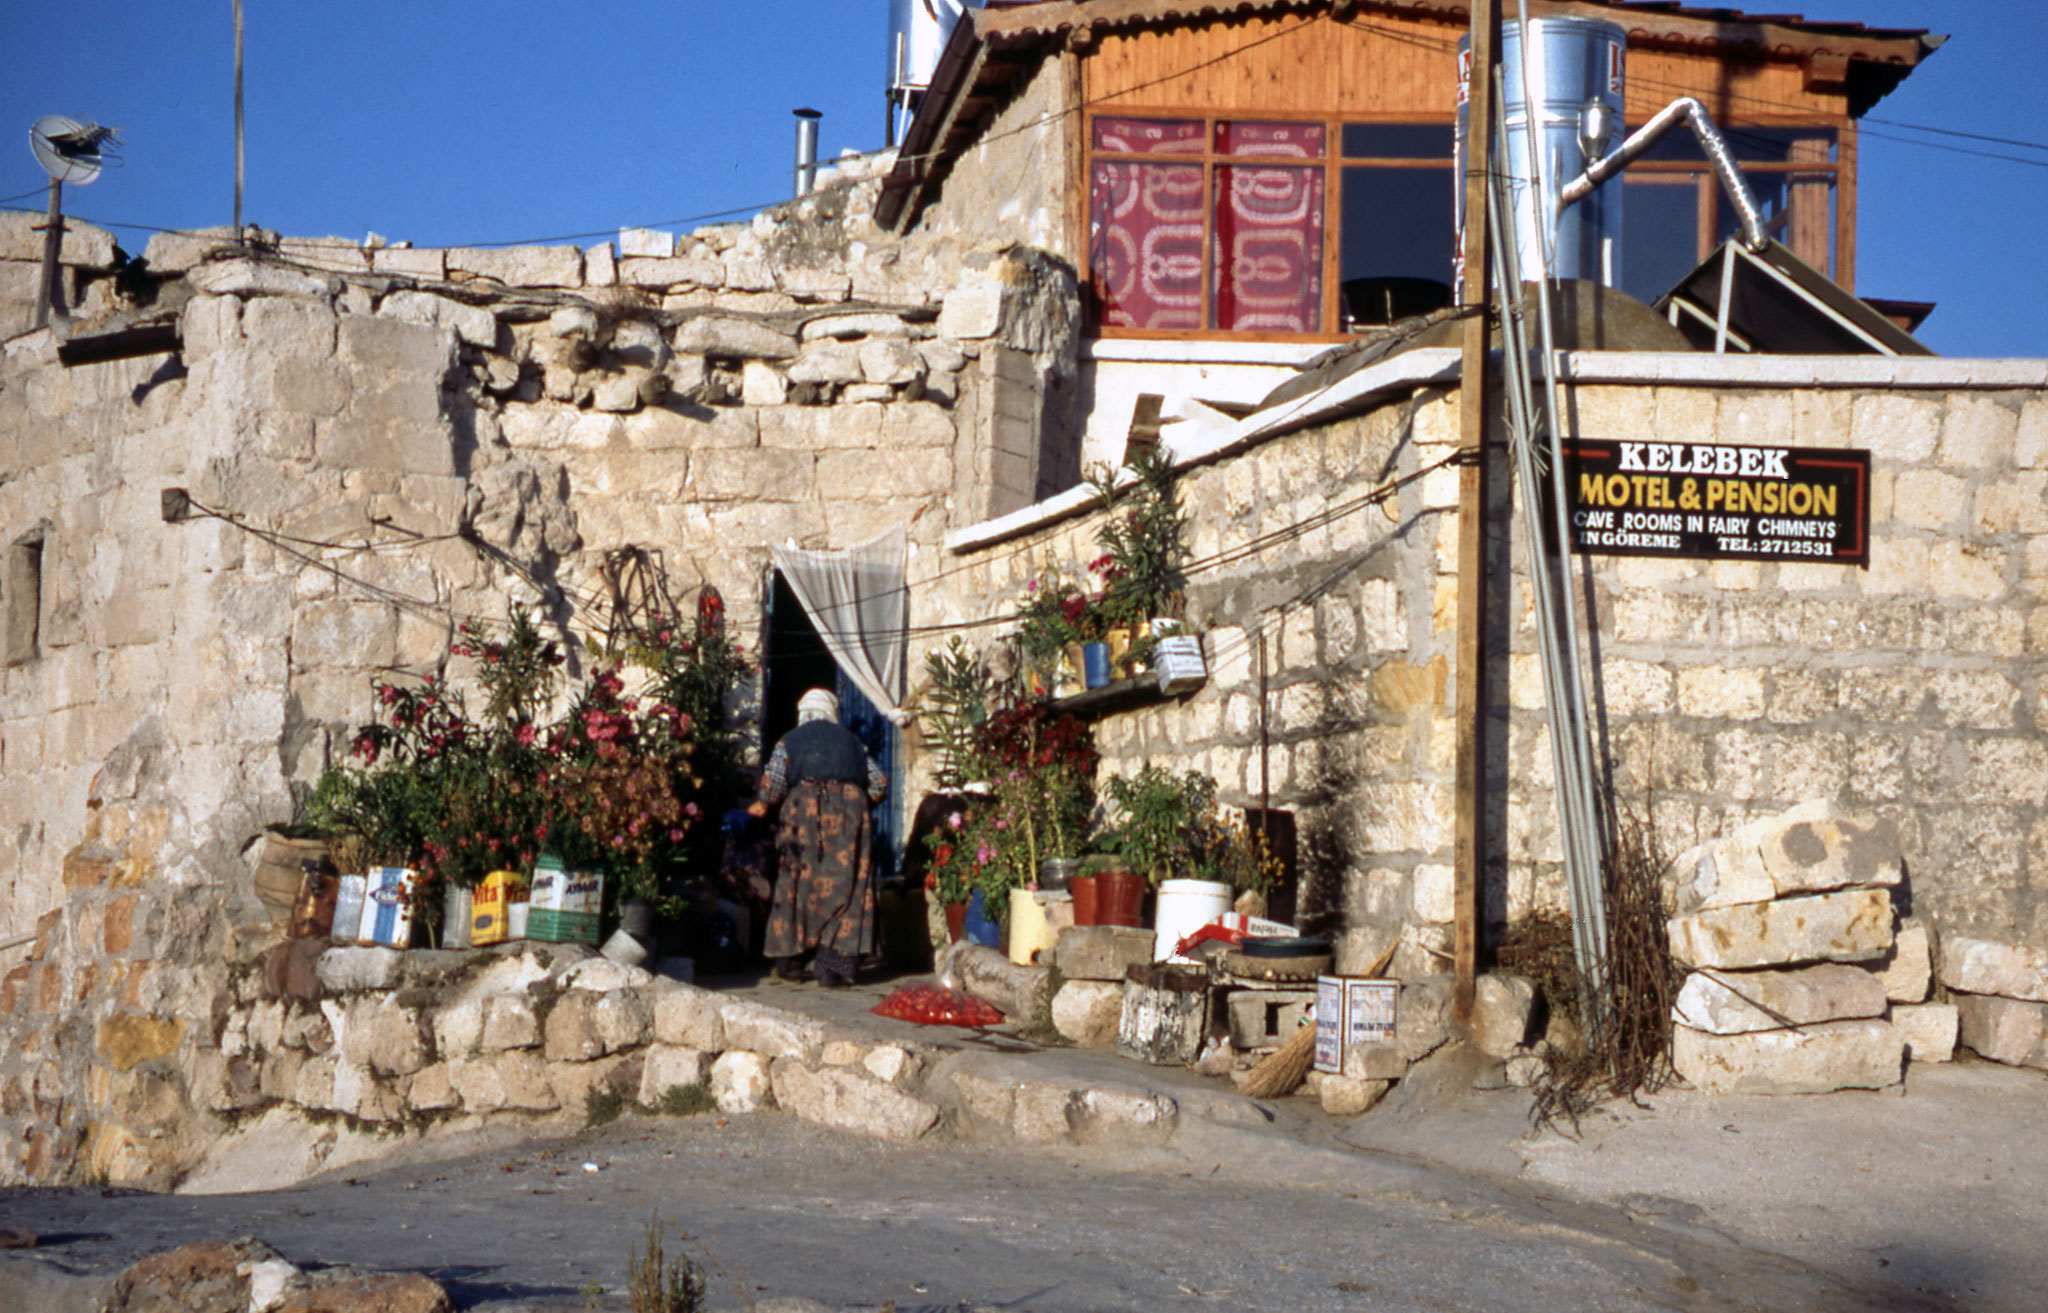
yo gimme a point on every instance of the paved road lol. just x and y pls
(783, 1208)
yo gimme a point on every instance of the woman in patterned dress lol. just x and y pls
(824, 884)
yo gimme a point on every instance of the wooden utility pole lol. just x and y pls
(1476, 398)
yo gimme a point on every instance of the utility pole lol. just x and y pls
(1476, 396)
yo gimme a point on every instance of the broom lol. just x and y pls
(1283, 1070)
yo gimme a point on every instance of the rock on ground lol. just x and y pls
(1986, 966)
(1832, 1055)
(1087, 1012)
(1851, 926)
(1735, 1002)
(2006, 1030)
(1929, 1029)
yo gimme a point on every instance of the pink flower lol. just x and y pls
(956, 820)
(984, 854)
(524, 734)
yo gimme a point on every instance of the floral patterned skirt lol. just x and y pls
(824, 881)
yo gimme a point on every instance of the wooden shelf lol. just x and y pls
(1119, 695)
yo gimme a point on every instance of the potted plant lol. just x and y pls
(1143, 537)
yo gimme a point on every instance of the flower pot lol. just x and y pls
(1082, 887)
(1095, 664)
(457, 915)
(1055, 873)
(1119, 898)
(1030, 932)
(313, 909)
(956, 921)
(1185, 906)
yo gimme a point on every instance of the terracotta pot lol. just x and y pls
(1119, 898)
(956, 921)
(1082, 887)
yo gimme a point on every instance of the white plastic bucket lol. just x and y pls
(1184, 907)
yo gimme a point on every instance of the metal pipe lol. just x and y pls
(1691, 112)
(806, 150)
(53, 239)
(238, 120)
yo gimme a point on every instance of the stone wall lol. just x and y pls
(381, 442)
(1727, 691)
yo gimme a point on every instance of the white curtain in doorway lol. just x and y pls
(859, 603)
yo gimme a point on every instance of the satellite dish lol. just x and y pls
(70, 150)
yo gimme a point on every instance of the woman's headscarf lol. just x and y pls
(818, 704)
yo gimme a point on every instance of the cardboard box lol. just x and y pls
(1352, 1013)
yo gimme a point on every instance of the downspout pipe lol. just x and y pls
(1691, 112)
(806, 151)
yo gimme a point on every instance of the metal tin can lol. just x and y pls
(489, 920)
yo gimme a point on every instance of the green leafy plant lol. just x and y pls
(1143, 539)
(690, 1100)
(1170, 827)
(960, 697)
(602, 1105)
(656, 1285)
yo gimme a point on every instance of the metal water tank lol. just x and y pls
(918, 30)
(1576, 79)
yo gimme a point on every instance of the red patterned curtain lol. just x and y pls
(1145, 225)
(1268, 248)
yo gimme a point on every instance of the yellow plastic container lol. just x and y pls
(490, 908)
(1031, 933)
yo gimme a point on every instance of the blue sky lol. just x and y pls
(458, 121)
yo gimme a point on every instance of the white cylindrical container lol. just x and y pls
(1184, 907)
(515, 920)
(1575, 79)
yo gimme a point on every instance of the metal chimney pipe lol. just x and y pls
(806, 150)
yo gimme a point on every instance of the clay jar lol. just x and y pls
(1086, 900)
(956, 921)
(1119, 898)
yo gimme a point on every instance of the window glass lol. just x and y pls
(1123, 136)
(1303, 140)
(1268, 249)
(1145, 244)
(1398, 141)
(1660, 233)
(1397, 235)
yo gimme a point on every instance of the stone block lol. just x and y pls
(1374, 1062)
(850, 1100)
(1852, 926)
(432, 1090)
(459, 1027)
(670, 272)
(688, 1016)
(1736, 1002)
(385, 1036)
(472, 323)
(1820, 847)
(516, 1080)
(668, 1065)
(646, 243)
(509, 1022)
(1723, 873)
(827, 361)
(1501, 1012)
(1086, 1012)
(852, 324)
(1111, 1115)
(1832, 1055)
(972, 310)
(127, 1040)
(725, 337)
(522, 266)
(1101, 952)
(772, 1032)
(246, 278)
(813, 284)
(890, 361)
(601, 975)
(1266, 1018)
(1908, 974)
(1344, 1096)
(1930, 1030)
(415, 262)
(762, 384)
(740, 1083)
(584, 1026)
(1422, 1016)
(1988, 966)
(2006, 1030)
(892, 1063)
(573, 1082)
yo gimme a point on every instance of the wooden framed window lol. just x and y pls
(1314, 227)
(1674, 214)
(1247, 226)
